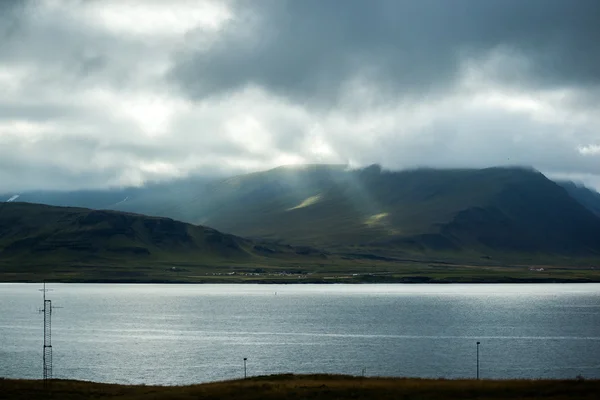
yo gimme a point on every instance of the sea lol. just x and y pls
(171, 334)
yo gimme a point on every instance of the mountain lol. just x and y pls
(494, 209)
(465, 211)
(586, 196)
(34, 234)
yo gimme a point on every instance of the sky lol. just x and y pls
(105, 93)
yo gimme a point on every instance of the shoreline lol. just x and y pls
(408, 281)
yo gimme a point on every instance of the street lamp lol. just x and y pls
(245, 359)
(478, 360)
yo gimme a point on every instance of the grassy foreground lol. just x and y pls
(311, 387)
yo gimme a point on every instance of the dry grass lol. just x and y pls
(316, 387)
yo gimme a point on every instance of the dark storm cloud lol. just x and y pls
(311, 47)
(10, 16)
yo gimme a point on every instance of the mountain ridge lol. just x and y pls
(498, 209)
(583, 194)
(422, 209)
(161, 198)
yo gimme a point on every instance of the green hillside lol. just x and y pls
(40, 242)
(38, 238)
(489, 210)
(41, 229)
(464, 213)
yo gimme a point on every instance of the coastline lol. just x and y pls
(332, 281)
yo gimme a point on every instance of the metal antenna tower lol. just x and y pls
(47, 350)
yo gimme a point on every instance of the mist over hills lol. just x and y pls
(329, 206)
(149, 199)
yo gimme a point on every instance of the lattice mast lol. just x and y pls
(47, 350)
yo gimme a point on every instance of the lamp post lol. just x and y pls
(245, 359)
(478, 360)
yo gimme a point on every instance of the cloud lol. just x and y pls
(591, 150)
(105, 93)
(310, 49)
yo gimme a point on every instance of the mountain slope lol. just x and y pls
(497, 209)
(36, 233)
(586, 196)
(455, 210)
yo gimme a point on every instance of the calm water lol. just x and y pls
(180, 334)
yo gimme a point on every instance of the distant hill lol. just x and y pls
(467, 211)
(584, 195)
(154, 198)
(41, 234)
